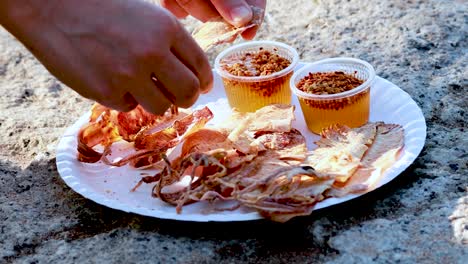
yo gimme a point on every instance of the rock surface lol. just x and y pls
(421, 217)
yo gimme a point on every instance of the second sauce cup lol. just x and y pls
(334, 91)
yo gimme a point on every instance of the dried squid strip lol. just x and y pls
(149, 147)
(202, 166)
(341, 149)
(161, 140)
(288, 145)
(134, 157)
(218, 31)
(101, 131)
(286, 193)
(384, 151)
(107, 126)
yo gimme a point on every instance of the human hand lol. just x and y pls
(108, 50)
(236, 12)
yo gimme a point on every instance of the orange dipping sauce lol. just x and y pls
(325, 106)
(257, 74)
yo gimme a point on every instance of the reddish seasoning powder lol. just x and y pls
(259, 63)
(322, 83)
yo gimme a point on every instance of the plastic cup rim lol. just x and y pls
(307, 67)
(249, 44)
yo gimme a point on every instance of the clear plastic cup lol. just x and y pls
(249, 93)
(350, 108)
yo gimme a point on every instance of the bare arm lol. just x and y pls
(107, 50)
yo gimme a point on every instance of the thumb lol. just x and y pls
(236, 12)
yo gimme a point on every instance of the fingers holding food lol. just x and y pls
(237, 12)
(258, 11)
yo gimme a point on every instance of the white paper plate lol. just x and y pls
(110, 186)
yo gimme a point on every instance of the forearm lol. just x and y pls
(107, 50)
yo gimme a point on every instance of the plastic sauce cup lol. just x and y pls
(249, 93)
(350, 108)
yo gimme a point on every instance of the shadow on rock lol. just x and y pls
(42, 196)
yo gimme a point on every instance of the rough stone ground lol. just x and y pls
(421, 217)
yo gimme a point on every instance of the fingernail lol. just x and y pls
(241, 15)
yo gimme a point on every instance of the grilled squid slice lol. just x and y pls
(218, 31)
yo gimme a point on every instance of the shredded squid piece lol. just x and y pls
(218, 31)
(254, 160)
